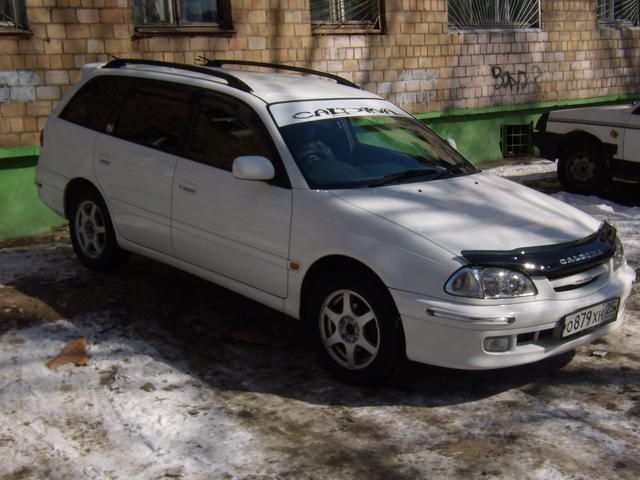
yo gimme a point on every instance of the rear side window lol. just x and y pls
(96, 104)
(156, 115)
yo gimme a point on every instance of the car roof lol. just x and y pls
(269, 87)
(280, 87)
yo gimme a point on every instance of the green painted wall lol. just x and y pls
(477, 132)
(478, 140)
(21, 211)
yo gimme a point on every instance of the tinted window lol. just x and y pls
(225, 130)
(156, 115)
(96, 104)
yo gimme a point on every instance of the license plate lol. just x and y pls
(590, 317)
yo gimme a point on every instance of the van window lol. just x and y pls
(156, 115)
(96, 104)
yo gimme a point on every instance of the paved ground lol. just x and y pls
(188, 380)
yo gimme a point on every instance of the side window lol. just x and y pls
(224, 131)
(156, 115)
(96, 104)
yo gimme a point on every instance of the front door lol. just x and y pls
(235, 228)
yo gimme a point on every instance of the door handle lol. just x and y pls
(188, 187)
(104, 159)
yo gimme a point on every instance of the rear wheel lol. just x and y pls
(583, 169)
(92, 233)
(357, 330)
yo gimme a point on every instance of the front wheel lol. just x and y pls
(357, 330)
(92, 233)
(583, 169)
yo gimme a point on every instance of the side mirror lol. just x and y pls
(452, 142)
(253, 167)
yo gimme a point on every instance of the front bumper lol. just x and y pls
(449, 334)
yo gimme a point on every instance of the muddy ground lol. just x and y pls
(189, 380)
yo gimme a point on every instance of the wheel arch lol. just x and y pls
(71, 190)
(336, 263)
(583, 137)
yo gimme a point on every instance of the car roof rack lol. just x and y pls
(232, 80)
(278, 66)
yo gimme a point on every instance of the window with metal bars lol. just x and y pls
(619, 12)
(516, 140)
(347, 16)
(181, 16)
(12, 16)
(494, 14)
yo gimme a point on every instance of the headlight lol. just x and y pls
(490, 282)
(618, 256)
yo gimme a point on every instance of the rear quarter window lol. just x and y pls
(96, 104)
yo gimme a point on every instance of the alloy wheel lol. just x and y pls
(349, 329)
(90, 229)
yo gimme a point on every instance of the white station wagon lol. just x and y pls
(333, 205)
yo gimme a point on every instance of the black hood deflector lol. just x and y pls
(552, 261)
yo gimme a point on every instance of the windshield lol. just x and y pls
(370, 151)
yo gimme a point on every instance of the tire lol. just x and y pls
(362, 342)
(583, 169)
(92, 234)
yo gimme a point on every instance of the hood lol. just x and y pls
(475, 212)
(602, 114)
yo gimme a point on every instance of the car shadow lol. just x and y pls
(230, 343)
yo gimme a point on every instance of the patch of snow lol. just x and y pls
(100, 416)
(534, 168)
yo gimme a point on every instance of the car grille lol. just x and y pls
(580, 280)
(568, 288)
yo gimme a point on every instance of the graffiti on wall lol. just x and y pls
(518, 81)
(17, 85)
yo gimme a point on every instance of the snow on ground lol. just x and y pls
(129, 413)
(533, 169)
(171, 393)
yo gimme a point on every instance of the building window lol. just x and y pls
(181, 16)
(618, 12)
(494, 14)
(12, 16)
(347, 16)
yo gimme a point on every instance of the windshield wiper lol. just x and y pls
(394, 177)
(448, 170)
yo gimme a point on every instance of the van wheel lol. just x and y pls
(92, 233)
(357, 331)
(583, 169)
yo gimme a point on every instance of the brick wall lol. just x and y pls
(417, 63)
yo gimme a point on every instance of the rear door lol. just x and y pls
(135, 161)
(236, 228)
